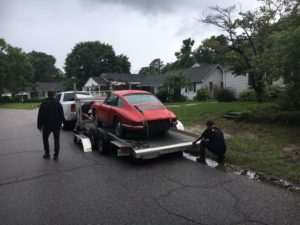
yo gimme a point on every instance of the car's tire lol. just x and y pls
(102, 142)
(119, 131)
(93, 138)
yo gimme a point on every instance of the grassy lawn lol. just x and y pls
(268, 149)
(19, 105)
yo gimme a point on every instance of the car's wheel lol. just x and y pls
(102, 142)
(119, 131)
(93, 138)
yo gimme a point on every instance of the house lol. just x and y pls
(208, 76)
(39, 90)
(115, 81)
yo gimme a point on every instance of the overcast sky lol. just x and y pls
(141, 29)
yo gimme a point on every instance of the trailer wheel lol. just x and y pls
(102, 142)
(93, 138)
(119, 131)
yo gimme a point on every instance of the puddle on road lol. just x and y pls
(250, 174)
(209, 162)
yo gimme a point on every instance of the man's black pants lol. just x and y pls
(214, 149)
(46, 133)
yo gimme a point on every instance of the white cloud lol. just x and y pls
(142, 30)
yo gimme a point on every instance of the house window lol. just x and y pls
(194, 87)
(210, 86)
(221, 85)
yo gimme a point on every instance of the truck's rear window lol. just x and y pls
(70, 96)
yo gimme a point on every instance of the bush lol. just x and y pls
(247, 95)
(202, 95)
(285, 118)
(273, 92)
(163, 95)
(33, 100)
(224, 95)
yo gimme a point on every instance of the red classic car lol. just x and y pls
(129, 110)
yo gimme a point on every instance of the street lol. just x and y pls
(89, 188)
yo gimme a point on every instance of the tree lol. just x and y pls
(44, 67)
(89, 59)
(184, 57)
(15, 69)
(248, 38)
(212, 50)
(175, 83)
(155, 67)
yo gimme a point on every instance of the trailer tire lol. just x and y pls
(119, 131)
(93, 138)
(102, 142)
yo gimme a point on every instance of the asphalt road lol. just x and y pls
(89, 189)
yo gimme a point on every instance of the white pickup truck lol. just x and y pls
(68, 102)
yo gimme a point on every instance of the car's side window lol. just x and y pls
(111, 100)
(120, 103)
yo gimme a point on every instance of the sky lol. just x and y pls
(143, 30)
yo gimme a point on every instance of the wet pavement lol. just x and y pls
(88, 188)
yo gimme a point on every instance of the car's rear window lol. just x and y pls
(141, 98)
(70, 96)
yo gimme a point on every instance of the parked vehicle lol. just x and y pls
(134, 110)
(67, 100)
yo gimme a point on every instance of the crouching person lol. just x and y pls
(212, 139)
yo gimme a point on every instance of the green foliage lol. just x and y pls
(247, 95)
(273, 92)
(202, 95)
(212, 50)
(89, 59)
(272, 117)
(44, 67)
(223, 95)
(184, 57)
(175, 83)
(15, 68)
(163, 95)
(155, 67)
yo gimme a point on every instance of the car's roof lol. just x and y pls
(78, 92)
(129, 92)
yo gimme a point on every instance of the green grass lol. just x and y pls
(27, 105)
(269, 149)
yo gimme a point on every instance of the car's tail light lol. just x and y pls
(73, 108)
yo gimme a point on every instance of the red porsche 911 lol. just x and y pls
(130, 110)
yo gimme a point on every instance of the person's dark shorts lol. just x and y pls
(217, 150)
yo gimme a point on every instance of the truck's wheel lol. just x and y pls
(102, 142)
(65, 125)
(119, 131)
(93, 138)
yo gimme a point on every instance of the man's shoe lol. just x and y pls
(55, 157)
(46, 156)
(220, 160)
(201, 160)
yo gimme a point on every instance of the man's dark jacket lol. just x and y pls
(50, 114)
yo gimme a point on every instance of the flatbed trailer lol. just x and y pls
(137, 146)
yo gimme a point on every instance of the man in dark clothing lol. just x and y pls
(49, 120)
(212, 139)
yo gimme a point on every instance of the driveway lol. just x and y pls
(88, 188)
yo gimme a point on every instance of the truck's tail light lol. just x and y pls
(73, 108)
